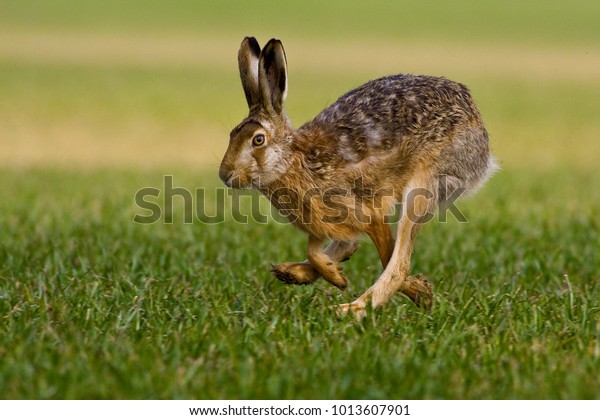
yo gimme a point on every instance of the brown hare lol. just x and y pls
(414, 140)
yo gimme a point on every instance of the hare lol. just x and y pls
(414, 140)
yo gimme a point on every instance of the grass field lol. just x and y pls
(98, 100)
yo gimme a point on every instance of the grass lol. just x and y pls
(79, 115)
(546, 22)
(100, 100)
(96, 306)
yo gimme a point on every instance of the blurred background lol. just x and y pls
(154, 84)
(99, 99)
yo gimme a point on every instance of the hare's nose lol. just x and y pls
(226, 175)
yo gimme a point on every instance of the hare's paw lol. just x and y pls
(332, 272)
(295, 272)
(358, 309)
(337, 278)
(419, 290)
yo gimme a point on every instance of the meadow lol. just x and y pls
(98, 100)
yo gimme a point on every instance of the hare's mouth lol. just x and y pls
(229, 181)
(232, 179)
(237, 182)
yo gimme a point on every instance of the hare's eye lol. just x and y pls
(258, 140)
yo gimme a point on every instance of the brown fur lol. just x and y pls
(339, 175)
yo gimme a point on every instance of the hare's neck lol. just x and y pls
(285, 178)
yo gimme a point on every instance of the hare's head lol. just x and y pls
(259, 147)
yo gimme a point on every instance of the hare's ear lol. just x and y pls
(248, 57)
(272, 76)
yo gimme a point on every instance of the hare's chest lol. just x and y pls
(333, 214)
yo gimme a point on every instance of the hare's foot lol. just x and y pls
(337, 278)
(295, 272)
(356, 308)
(419, 290)
(305, 273)
(325, 265)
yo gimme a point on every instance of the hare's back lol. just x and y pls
(384, 111)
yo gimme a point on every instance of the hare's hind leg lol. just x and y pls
(417, 288)
(304, 273)
(419, 202)
(381, 235)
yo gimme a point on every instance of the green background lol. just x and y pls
(100, 99)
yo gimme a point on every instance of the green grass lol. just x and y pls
(532, 123)
(546, 22)
(95, 306)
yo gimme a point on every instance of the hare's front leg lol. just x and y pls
(324, 264)
(304, 273)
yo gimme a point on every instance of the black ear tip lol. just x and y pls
(252, 43)
(273, 41)
(272, 47)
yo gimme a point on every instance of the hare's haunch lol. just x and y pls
(415, 140)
